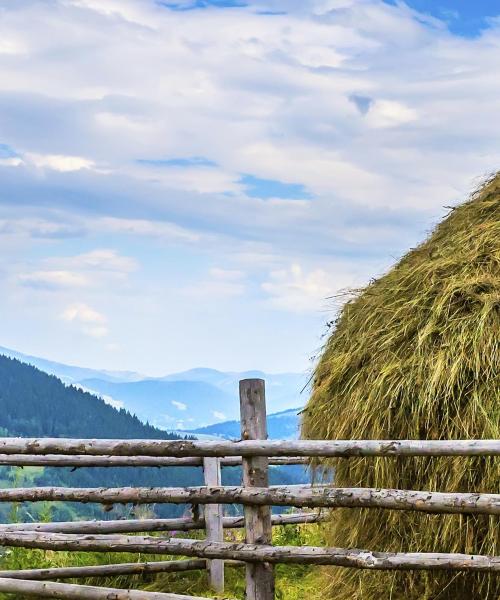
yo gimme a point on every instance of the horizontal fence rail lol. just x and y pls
(136, 568)
(254, 453)
(82, 592)
(143, 525)
(77, 461)
(297, 496)
(311, 555)
(249, 448)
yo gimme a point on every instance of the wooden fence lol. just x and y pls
(257, 555)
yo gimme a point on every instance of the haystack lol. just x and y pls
(416, 355)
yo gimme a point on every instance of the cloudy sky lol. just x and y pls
(185, 183)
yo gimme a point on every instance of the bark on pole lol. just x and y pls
(259, 576)
(248, 448)
(69, 591)
(145, 525)
(137, 568)
(299, 555)
(214, 524)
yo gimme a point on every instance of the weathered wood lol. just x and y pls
(81, 592)
(298, 496)
(214, 523)
(78, 461)
(295, 448)
(144, 525)
(258, 529)
(137, 568)
(361, 559)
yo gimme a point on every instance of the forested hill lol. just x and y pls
(34, 404)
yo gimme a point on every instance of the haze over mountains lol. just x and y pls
(201, 400)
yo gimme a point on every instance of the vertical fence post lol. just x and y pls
(259, 576)
(214, 523)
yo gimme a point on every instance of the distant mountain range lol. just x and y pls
(280, 426)
(201, 400)
(36, 404)
(68, 373)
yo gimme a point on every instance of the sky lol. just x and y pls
(199, 183)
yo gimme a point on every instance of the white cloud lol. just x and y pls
(94, 269)
(99, 259)
(83, 313)
(143, 227)
(91, 322)
(11, 161)
(179, 405)
(386, 113)
(293, 289)
(53, 279)
(58, 162)
(219, 415)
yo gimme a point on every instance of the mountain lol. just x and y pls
(197, 398)
(188, 400)
(280, 426)
(168, 404)
(35, 404)
(69, 373)
(283, 390)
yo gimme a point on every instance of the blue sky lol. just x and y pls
(190, 183)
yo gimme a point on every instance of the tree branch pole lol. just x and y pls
(361, 559)
(214, 523)
(246, 448)
(137, 568)
(80, 461)
(143, 525)
(260, 584)
(298, 496)
(81, 592)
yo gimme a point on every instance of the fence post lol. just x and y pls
(214, 523)
(259, 576)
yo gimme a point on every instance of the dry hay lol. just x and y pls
(416, 355)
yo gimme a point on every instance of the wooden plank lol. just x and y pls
(137, 568)
(277, 448)
(214, 523)
(260, 584)
(81, 592)
(143, 525)
(298, 496)
(341, 557)
(80, 461)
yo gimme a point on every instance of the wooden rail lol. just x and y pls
(144, 525)
(82, 592)
(249, 448)
(252, 553)
(78, 461)
(298, 496)
(136, 568)
(254, 453)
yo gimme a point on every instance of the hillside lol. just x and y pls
(188, 400)
(69, 373)
(196, 399)
(36, 404)
(167, 404)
